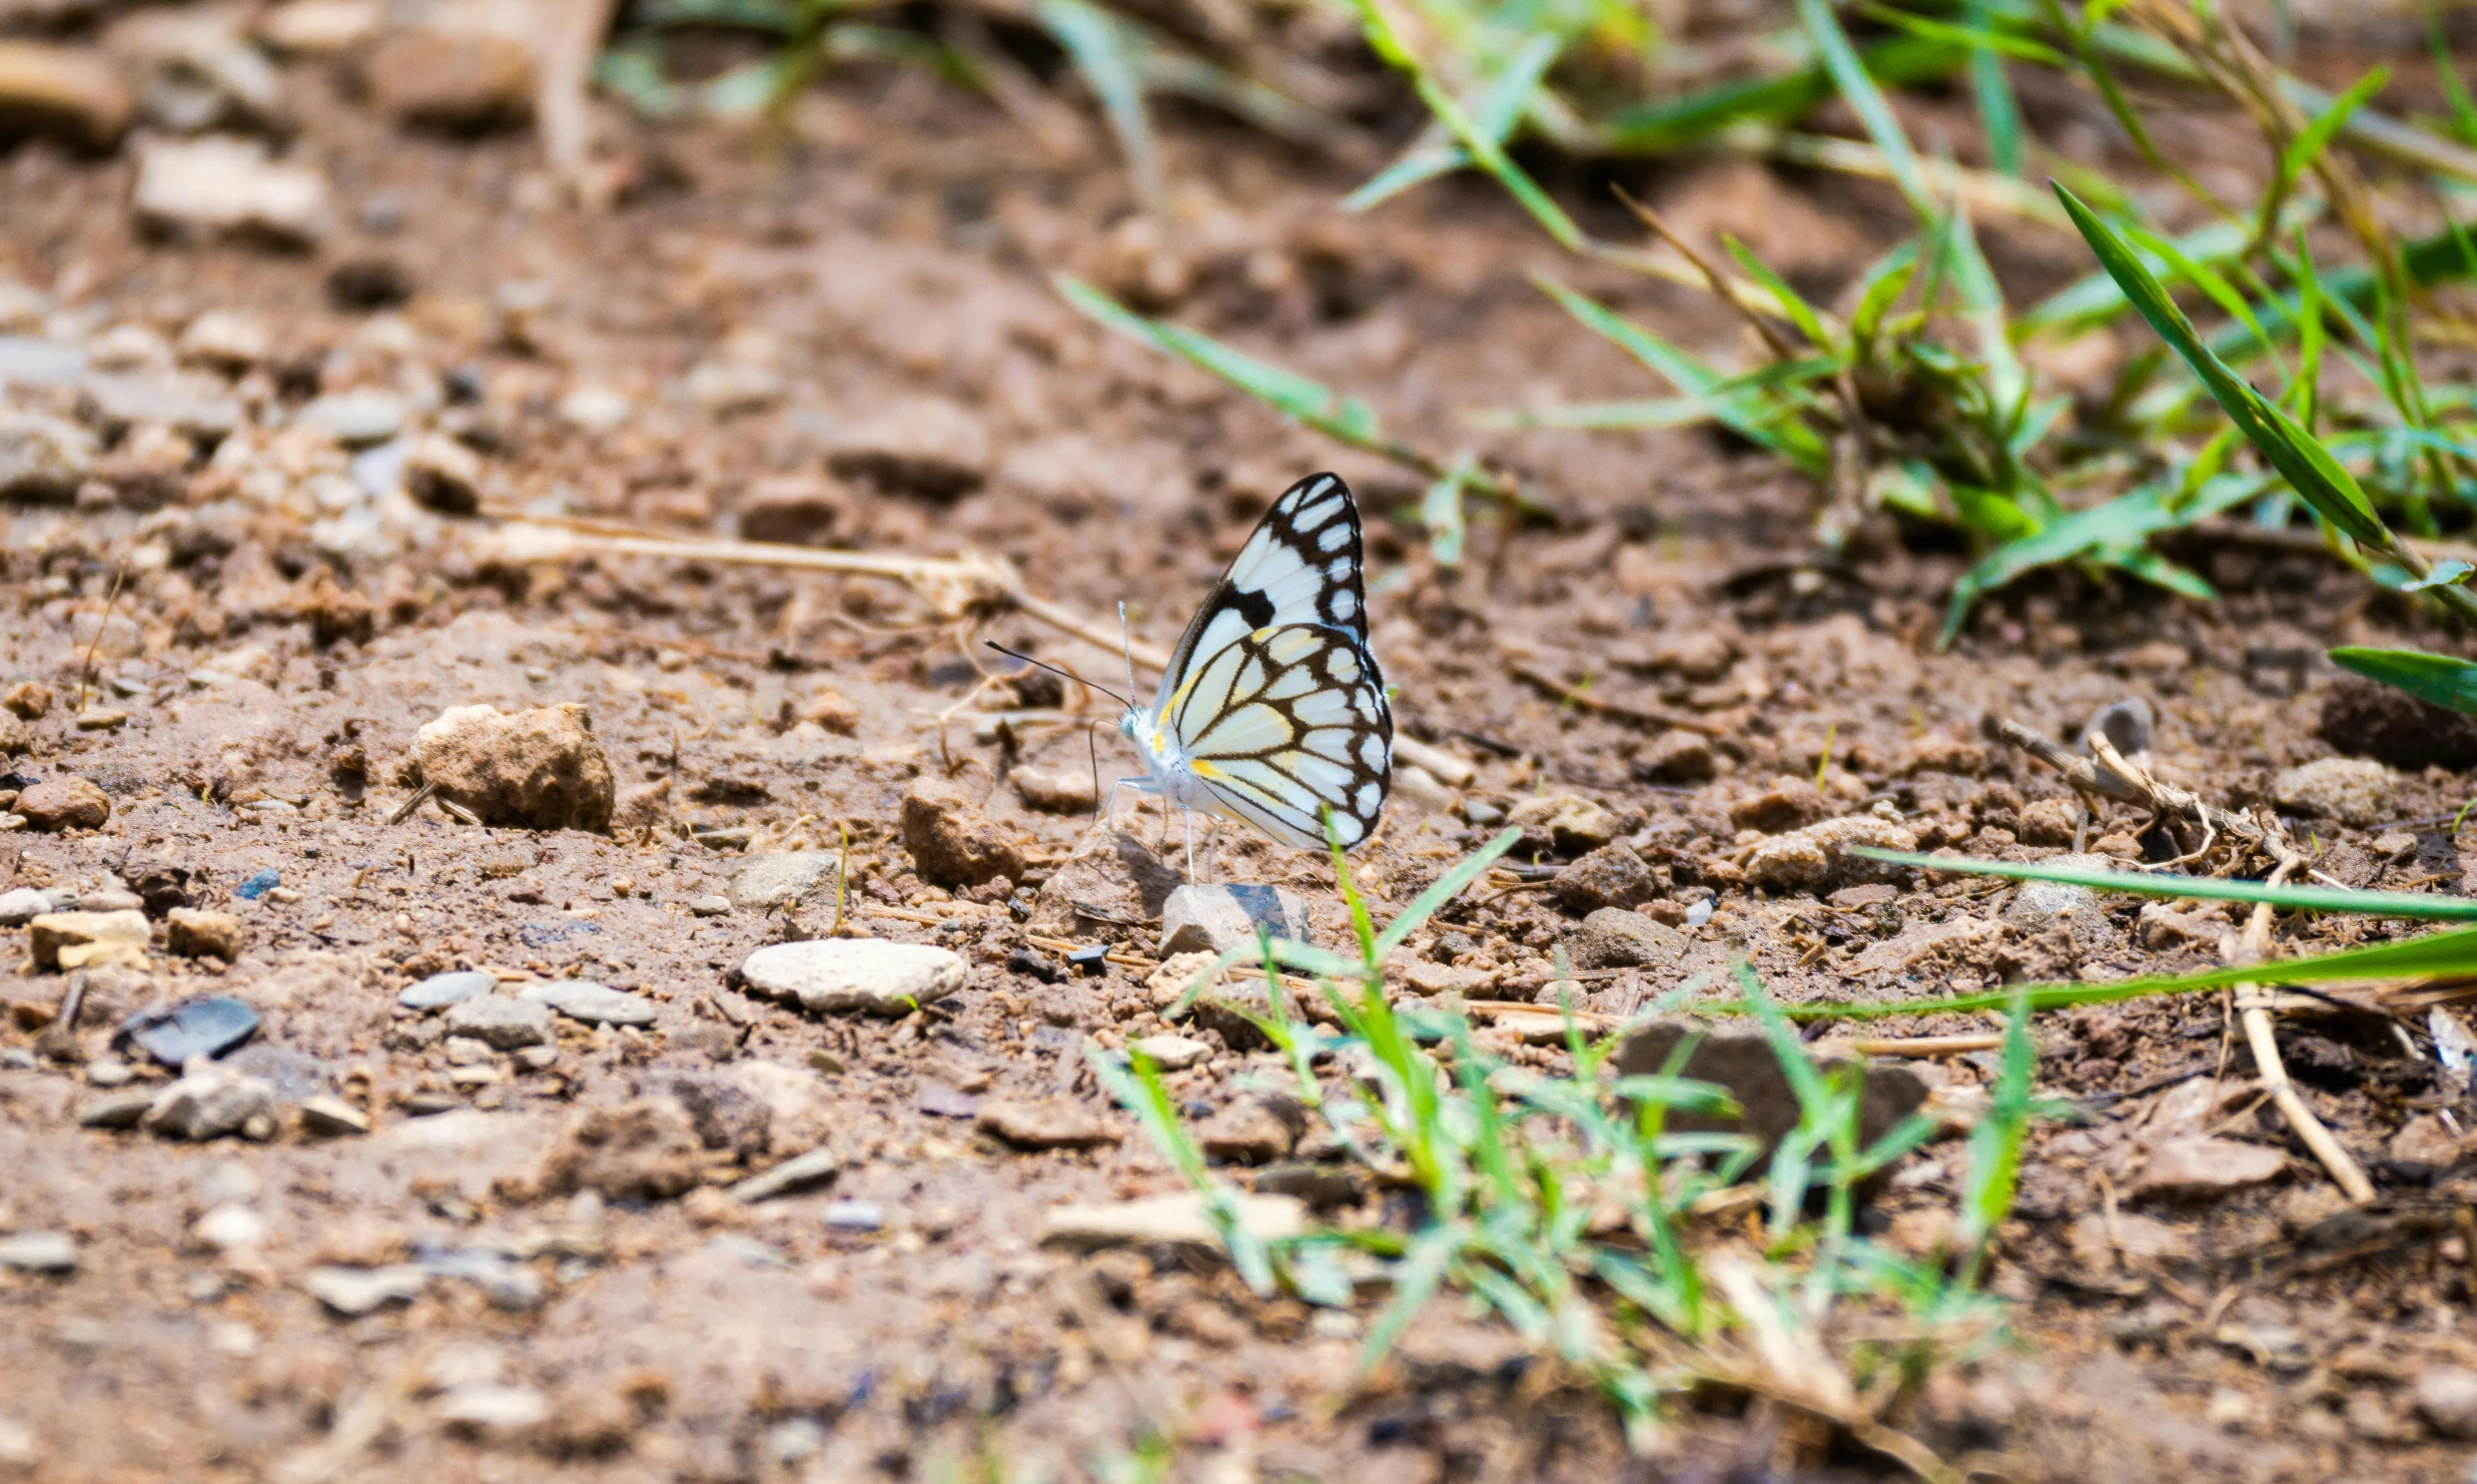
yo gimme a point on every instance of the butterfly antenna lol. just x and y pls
(1127, 642)
(1056, 670)
(1092, 740)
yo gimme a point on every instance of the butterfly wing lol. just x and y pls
(1302, 565)
(1278, 706)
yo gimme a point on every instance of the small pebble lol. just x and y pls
(443, 990)
(258, 883)
(854, 1216)
(108, 1074)
(712, 904)
(39, 1251)
(1173, 1053)
(1092, 958)
(330, 1116)
(594, 1004)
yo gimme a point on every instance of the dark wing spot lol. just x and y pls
(1253, 606)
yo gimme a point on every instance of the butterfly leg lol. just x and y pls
(1109, 814)
(1191, 847)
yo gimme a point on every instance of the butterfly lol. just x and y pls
(1272, 711)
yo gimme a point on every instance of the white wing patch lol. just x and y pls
(1276, 705)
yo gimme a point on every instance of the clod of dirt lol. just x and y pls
(951, 842)
(1786, 804)
(1254, 1130)
(830, 976)
(42, 458)
(2142, 1242)
(1175, 1220)
(203, 935)
(1817, 858)
(2445, 1399)
(210, 1103)
(1045, 1123)
(2353, 791)
(1744, 1063)
(771, 881)
(926, 446)
(645, 1149)
(464, 81)
(1942, 752)
(202, 1026)
(1109, 872)
(1612, 875)
(1676, 757)
(28, 700)
(443, 474)
(2425, 1140)
(592, 1004)
(541, 769)
(79, 939)
(2367, 719)
(794, 509)
(799, 1173)
(500, 1022)
(65, 804)
(2199, 1167)
(1616, 938)
(219, 186)
(1217, 919)
(1055, 790)
(1569, 824)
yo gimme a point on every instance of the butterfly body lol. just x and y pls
(1272, 711)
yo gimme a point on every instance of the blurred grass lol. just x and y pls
(1914, 399)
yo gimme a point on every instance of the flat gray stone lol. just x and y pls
(2040, 905)
(501, 1021)
(210, 1103)
(28, 361)
(119, 1110)
(354, 418)
(39, 1251)
(1217, 919)
(443, 990)
(354, 1291)
(192, 407)
(770, 881)
(23, 905)
(795, 1173)
(594, 1004)
(867, 975)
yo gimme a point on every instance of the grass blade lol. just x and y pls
(1312, 403)
(1109, 56)
(2304, 464)
(1497, 114)
(2438, 678)
(2426, 906)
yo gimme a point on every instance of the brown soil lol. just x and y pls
(897, 247)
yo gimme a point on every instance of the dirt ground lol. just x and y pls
(848, 337)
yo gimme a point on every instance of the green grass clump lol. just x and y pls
(1566, 1204)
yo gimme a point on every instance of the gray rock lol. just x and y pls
(42, 458)
(1615, 937)
(355, 419)
(212, 1102)
(712, 904)
(27, 362)
(795, 1173)
(594, 1004)
(292, 1074)
(1612, 875)
(493, 1411)
(190, 408)
(2040, 905)
(39, 1251)
(354, 1291)
(120, 1111)
(507, 1284)
(829, 974)
(443, 990)
(2446, 1401)
(1742, 1062)
(23, 905)
(2127, 725)
(854, 1216)
(501, 1021)
(770, 881)
(201, 1026)
(1217, 919)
